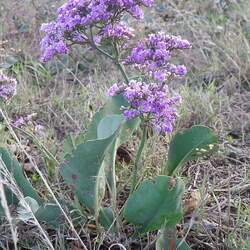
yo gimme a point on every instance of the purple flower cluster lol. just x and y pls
(152, 56)
(118, 32)
(7, 88)
(76, 16)
(152, 101)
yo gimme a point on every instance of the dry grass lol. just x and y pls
(66, 92)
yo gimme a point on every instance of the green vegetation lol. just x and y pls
(65, 135)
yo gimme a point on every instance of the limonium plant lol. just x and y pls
(139, 103)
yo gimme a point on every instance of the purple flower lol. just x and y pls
(131, 113)
(151, 101)
(136, 12)
(119, 32)
(113, 90)
(7, 87)
(152, 56)
(75, 17)
(181, 70)
(160, 75)
(53, 43)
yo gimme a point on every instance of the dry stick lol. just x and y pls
(7, 213)
(43, 179)
(20, 195)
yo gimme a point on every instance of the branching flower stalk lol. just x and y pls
(120, 64)
(115, 59)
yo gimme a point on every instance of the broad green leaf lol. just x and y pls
(189, 145)
(105, 128)
(108, 125)
(84, 172)
(154, 204)
(51, 214)
(15, 169)
(96, 170)
(112, 107)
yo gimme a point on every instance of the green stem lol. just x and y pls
(138, 157)
(104, 52)
(92, 43)
(115, 59)
(111, 173)
(119, 64)
(121, 68)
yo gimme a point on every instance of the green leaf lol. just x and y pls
(68, 146)
(112, 107)
(107, 218)
(15, 169)
(108, 125)
(189, 145)
(51, 214)
(101, 165)
(108, 117)
(84, 171)
(155, 204)
(104, 129)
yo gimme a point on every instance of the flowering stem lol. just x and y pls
(138, 157)
(103, 52)
(115, 59)
(121, 68)
(92, 43)
(119, 64)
